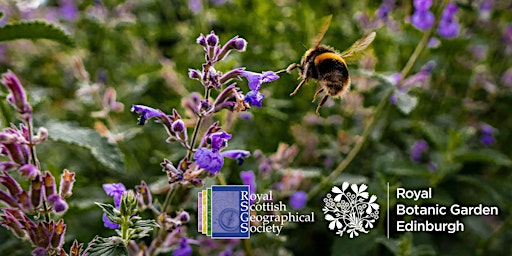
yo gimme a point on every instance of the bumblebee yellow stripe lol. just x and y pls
(329, 55)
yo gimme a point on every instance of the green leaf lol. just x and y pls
(143, 228)
(405, 102)
(35, 30)
(482, 155)
(108, 209)
(435, 134)
(106, 153)
(100, 246)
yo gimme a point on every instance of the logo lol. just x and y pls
(223, 212)
(350, 209)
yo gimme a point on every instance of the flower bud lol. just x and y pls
(49, 184)
(42, 135)
(66, 183)
(145, 195)
(17, 96)
(58, 234)
(24, 202)
(11, 222)
(11, 184)
(29, 171)
(36, 195)
(201, 40)
(178, 126)
(8, 199)
(212, 39)
(194, 74)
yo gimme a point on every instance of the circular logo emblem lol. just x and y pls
(350, 209)
(228, 219)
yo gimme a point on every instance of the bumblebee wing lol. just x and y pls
(320, 36)
(358, 46)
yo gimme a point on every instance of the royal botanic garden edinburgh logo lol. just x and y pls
(350, 209)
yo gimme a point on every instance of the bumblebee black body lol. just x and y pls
(327, 66)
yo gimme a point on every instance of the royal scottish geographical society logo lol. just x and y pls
(223, 211)
(350, 209)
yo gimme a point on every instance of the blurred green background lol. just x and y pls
(143, 49)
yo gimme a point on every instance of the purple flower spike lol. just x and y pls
(183, 249)
(17, 96)
(115, 190)
(418, 149)
(146, 113)
(239, 155)
(209, 160)
(298, 200)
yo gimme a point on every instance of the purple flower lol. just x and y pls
(209, 160)
(417, 150)
(422, 5)
(448, 27)
(146, 113)
(254, 98)
(108, 223)
(16, 96)
(183, 249)
(486, 9)
(212, 159)
(248, 178)
(115, 190)
(487, 134)
(422, 20)
(256, 79)
(219, 140)
(58, 203)
(238, 155)
(68, 10)
(298, 200)
(195, 6)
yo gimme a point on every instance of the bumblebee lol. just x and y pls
(327, 66)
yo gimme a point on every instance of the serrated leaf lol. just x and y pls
(35, 30)
(404, 102)
(106, 153)
(101, 246)
(108, 209)
(483, 155)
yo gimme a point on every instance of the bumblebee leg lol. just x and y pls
(298, 87)
(318, 92)
(324, 99)
(288, 69)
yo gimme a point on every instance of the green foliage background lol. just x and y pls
(144, 49)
